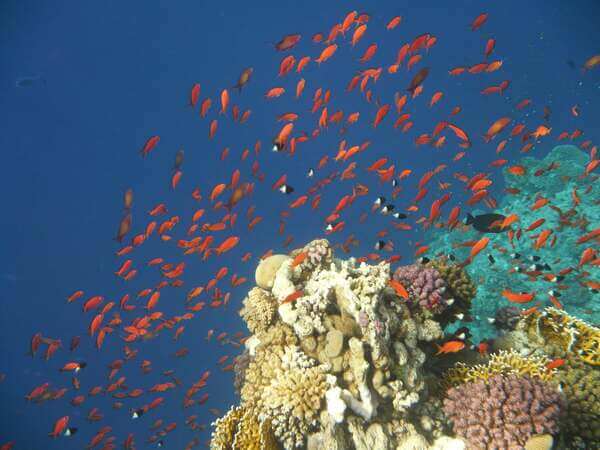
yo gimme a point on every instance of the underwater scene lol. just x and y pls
(300, 225)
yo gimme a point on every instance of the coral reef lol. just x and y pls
(504, 411)
(559, 334)
(568, 223)
(581, 386)
(335, 358)
(240, 429)
(507, 318)
(425, 285)
(501, 363)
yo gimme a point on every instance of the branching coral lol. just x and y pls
(292, 402)
(504, 412)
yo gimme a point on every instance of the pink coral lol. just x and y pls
(425, 285)
(504, 412)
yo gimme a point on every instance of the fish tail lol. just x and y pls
(470, 219)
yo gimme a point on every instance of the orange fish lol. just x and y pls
(523, 297)
(450, 347)
(399, 289)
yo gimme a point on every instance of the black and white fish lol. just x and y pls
(286, 189)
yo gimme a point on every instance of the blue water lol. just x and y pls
(104, 76)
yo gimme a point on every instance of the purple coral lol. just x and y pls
(425, 284)
(504, 412)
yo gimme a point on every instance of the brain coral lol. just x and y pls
(504, 412)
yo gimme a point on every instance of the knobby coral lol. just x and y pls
(259, 310)
(581, 386)
(504, 412)
(425, 286)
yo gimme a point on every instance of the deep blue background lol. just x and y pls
(114, 73)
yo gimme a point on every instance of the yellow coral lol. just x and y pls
(259, 311)
(254, 435)
(572, 336)
(225, 429)
(581, 386)
(240, 429)
(503, 363)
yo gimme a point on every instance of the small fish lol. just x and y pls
(399, 215)
(286, 189)
(379, 201)
(450, 347)
(383, 245)
(387, 209)
(244, 78)
(70, 431)
(311, 173)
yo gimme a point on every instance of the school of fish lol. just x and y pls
(224, 217)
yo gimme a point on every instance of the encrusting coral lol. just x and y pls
(504, 411)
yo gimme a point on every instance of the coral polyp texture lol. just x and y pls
(425, 285)
(581, 386)
(503, 412)
(335, 359)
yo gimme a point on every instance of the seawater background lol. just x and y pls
(116, 73)
(492, 279)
